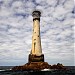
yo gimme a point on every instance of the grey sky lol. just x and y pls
(57, 34)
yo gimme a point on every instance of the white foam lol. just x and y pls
(46, 70)
(5, 70)
(2, 70)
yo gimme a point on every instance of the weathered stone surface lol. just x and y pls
(34, 58)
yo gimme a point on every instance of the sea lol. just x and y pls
(6, 70)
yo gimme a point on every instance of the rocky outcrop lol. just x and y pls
(58, 66)
(36, 66)
(32, 66)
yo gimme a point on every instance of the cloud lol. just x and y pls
(57, 33)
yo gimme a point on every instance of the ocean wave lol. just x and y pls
(6, 70)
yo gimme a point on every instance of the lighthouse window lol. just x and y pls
(35, 32)
(34, 39)
(35, 43)
(38, 35)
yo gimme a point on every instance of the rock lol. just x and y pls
(58, 66)
(33, 66)
(37, 66)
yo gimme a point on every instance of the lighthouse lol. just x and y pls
(36, 50)
(36, 58)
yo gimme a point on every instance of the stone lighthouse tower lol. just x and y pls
(36, 51)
